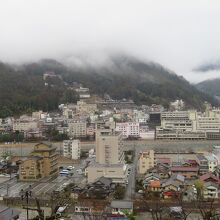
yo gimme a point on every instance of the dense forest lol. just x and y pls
(22, 88)
(22, 91)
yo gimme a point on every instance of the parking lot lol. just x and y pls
(44, 187)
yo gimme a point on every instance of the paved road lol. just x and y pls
(130, 190)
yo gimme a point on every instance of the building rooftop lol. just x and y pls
(211, 158)
(122, 204)
(209, 175)
(154, 183)
(94, 164)
(184, 169)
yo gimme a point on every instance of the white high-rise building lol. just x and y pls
(128, 129)
(71, 149)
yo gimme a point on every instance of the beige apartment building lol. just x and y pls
(146, 161)
(109, 147)
(41, 162)
(109, 157)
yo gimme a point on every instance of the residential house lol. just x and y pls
(210, 177)
(100, 188)
(217, 171)
(203, 164)
(154, 186)
(173, 186)
(150, 177)
(188, 172)
(212, 162)
(121, 206)
(211, 190)
(161, 169)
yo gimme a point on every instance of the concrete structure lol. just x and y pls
(83, 92)
(42, 162)
(146, 161)
(109, 157)
(128, 129)
(177, 104)
(109, 147)
(71, 149)
(25, 124)
(76, 129)
(116, 172)
(189, 125)
(31, 168)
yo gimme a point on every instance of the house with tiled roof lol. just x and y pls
(187, 171)
(210, 177)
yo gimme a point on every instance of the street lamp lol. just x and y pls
(25, 195)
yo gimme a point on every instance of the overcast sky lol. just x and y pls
(179, 34)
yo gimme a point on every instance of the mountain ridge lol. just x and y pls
(127, 77)
(210, 86)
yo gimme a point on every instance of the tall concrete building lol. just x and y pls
(109, 157)
(109, 147)
(146, 161)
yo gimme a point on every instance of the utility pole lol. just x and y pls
(25, 195)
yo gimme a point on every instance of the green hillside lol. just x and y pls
(22, 88)
(211, 87)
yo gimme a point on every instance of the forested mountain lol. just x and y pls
(23, 89)
(144, 82)
(211, 86)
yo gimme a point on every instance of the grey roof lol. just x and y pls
(207, 184)
(122, 204)
(201, 157)
(104, 180)
(94, 164)
(171, 182)
(152, 175)
(178, 177)
(7, 213)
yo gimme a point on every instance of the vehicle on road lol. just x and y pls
(64, 172)
(70, 167)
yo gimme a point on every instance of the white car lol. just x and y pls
(70, 167)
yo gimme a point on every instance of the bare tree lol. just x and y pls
(207, 209)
